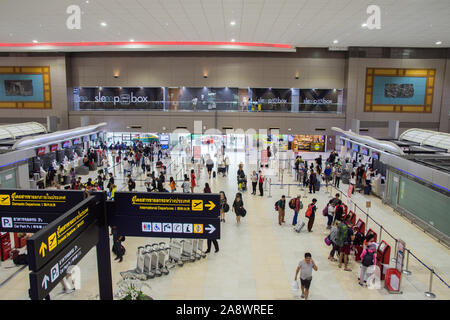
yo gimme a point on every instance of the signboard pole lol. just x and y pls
(104, 256)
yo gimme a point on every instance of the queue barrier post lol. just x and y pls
(394, 259)
(429, 293)
(270, 188)
(406, 271)
(381, 229)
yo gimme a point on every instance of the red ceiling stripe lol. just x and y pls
(147, 43)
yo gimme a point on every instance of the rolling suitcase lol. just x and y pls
(299, 226)
(214, 174)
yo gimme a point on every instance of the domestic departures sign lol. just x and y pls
(32, 210)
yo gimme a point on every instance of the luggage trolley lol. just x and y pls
(148, 255)
(200, 251)
(188, 250)
(140, 260)
(163, 258)
(175, 253)
(155, 260)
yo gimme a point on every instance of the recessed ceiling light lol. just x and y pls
(364, 25)
(35, 41)
(438, 42)
(335, 41)
(103, 24)
(131, 40)
(233, 40)
(232, 23)
(87, 1)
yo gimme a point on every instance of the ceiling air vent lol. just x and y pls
(134, 127)
(181, 128)
(363, 130)
(320, 129)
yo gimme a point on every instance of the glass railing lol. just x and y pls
(222, 106)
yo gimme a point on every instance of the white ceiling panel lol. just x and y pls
(407, 23)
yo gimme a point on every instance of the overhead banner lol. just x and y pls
(167, 227)
(35, 201)
(167, 204)
(47, 243)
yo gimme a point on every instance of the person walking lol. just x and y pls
(281, 204)
(173, 185)
(298, 206)
(148, 182)
(254, 179)
(332, 237)
(192, 181)
(186, 185)
(238, 207)
(117, 248)
(305, 267)
(224, 207)
(338, 174)
(327, 173)
(209, 166)
(261, 183)
(330, 213)
(311, 213)
(312, 182)
(207, 189)
(131, 183)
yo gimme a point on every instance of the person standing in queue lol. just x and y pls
(192, 181)
(281, 209)
(238, 207)
(224, 207)
(254, 178)
(312, 182)
(117, 248)
(260, 182)
(305, 267)
(311, 213)
(298, 206)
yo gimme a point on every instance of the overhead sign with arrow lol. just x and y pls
(48, 242)
(48, 277)
(168, 204)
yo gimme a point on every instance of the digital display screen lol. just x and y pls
(349, 145)
(375, 155)
(85, 138)
(364, 151)
(40, 151)
(93, 137)
(290, 138)
(53, 147)
(65, 144)
(356, 147)
(382, 247)
(76, 141)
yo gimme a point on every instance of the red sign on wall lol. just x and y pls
(197, 152)
(264, 158)
(40, 151)
(53, 147)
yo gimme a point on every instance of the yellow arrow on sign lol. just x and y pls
(211, 205)
(42, 249)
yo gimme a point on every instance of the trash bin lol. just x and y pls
(33, 184)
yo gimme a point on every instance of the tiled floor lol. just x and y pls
(258, 258)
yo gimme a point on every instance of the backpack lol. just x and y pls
(367, 260)
(325, 211)
(226, 207)
(292, 203)
(309, 211)
(276, 206)
(341, 237)
(359, 239)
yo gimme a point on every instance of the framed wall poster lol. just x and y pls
(399, 90)
(25, 87)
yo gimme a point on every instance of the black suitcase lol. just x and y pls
(214, 174)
